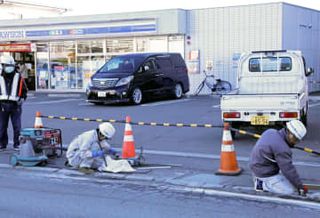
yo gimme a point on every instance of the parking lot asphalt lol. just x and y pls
(167, 171)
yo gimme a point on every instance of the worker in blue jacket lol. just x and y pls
(271, 160)
(13, 90)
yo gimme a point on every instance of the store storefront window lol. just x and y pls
(142, 44)
(90, 57)
(120, 45)
(62, 65)
(42, 60)
(87, 66)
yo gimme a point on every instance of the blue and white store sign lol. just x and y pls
(11, 35)
(92, 31)
(69, 32)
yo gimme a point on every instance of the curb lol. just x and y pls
(167, 184)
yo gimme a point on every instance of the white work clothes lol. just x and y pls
(277, 184)
(79, 153)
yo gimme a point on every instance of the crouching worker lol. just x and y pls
(87, 151)
(272, 155)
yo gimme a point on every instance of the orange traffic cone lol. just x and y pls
(38, 121)
(128, 150)
(228, 159)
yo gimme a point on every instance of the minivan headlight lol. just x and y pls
(124, 81)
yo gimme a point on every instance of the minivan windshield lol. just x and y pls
(122, 64)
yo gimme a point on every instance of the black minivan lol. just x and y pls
(135, 77)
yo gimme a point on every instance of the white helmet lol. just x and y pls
(7, 59)
(297, 128)
(107, 130)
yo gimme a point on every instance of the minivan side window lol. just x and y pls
(148, 65)
(164, 63)
(178, 60)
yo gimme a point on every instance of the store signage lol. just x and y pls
(92, 31)
(12, 34)
(15, 47)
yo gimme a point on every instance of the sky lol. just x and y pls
(82, 7)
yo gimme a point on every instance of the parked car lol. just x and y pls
(135, 77)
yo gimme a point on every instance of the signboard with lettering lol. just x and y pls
(8, 35)
(91, 31)
(26, 47)
(27, 34)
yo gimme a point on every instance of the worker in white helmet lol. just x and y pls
(13, 90)
(87, 151)
(271, 160)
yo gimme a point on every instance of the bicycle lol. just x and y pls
(218, 86)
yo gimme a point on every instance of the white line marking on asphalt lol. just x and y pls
(207, 156)
(313, 105)
(164, 103)
(314, 97)
(216, 106)
(53, 102)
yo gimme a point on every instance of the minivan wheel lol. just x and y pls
(178, 91)
(136, 97)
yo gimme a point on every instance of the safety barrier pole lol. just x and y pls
(168, 125)
(133, 123)
(309, 150)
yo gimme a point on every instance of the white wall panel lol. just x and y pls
(301, 31)
(222, 33)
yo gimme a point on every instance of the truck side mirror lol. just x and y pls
(309, 71)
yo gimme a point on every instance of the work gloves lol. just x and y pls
(97, 153)
(101, 153)
(303, 190)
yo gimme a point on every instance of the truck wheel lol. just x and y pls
(136, 96)
(304, 118)
(234, 133)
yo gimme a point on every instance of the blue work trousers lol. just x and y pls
(10, 110)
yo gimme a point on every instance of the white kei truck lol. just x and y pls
(272, 90)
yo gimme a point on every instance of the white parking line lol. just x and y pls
(52, 102)
(207, 156)
(314, 97)
(314, 105)
(216, 106)
(164, 103)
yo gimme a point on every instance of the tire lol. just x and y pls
(177, 92)
(136, 96)
(223, 87)
(234, 133)
(304, 118)
(199, 88)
